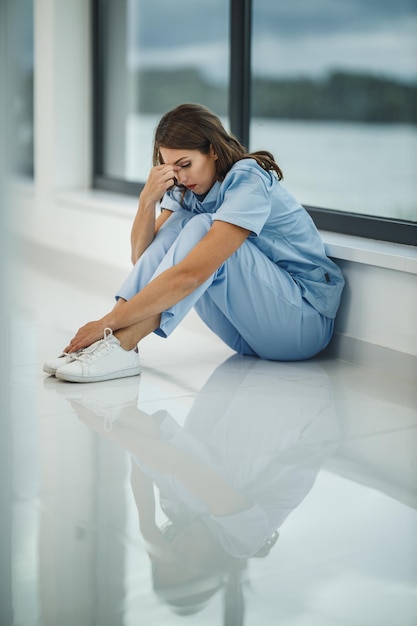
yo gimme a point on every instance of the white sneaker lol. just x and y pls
(103, 360)
(50, 367)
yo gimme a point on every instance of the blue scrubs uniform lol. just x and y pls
(277, 296)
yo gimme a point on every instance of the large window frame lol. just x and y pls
(370, 227)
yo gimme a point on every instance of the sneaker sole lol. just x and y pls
(76, 378)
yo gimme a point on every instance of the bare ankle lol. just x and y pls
(127, 345)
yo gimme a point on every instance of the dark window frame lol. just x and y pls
(367, 226)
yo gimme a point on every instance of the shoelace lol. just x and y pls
(73, 354)
(96, 349)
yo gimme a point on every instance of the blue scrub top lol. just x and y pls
(254, 199)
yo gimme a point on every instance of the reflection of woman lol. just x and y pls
(230, 477)
(188, 564)
(230, 242)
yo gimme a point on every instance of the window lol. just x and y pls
(334, 93)
(329, 87)
(153, 56)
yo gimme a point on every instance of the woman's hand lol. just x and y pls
(160, 179)
(86, 335)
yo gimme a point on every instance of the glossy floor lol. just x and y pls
(154, 500)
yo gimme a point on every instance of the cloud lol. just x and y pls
(383, 52)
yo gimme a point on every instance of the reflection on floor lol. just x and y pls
(212, 489)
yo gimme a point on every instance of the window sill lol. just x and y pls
(338, 245)
(382, 254)
(373, 252)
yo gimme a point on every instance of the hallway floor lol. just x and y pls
(153, 500)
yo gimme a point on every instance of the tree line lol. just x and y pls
(340, 96)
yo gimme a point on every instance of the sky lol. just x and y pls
(290, 38)
(302, 37)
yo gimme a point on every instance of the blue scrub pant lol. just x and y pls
(251, 303)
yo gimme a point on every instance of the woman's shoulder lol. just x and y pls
(247, 170)
(248, 164)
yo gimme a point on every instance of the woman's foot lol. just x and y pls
(103, 360)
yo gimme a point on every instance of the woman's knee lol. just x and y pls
(200, 224)
(192, 233)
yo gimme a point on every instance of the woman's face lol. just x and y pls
(194, 170)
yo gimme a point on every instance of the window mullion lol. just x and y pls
(240, 68)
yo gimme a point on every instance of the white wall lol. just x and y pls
(61, 212)
(379, 306)
(62, 95)
(376, 324)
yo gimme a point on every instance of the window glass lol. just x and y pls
(335, 99)
(22, 76)
(156, 55)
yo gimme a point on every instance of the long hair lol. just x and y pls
(193, 127)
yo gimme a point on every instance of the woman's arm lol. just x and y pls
(171, 286)
(222, 240)
(145, 225)
(144, 229)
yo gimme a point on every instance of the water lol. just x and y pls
(360, 168)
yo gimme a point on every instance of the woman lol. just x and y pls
(229, 241)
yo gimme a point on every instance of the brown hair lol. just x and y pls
(193, 127)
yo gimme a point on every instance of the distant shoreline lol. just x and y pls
(340, 96)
